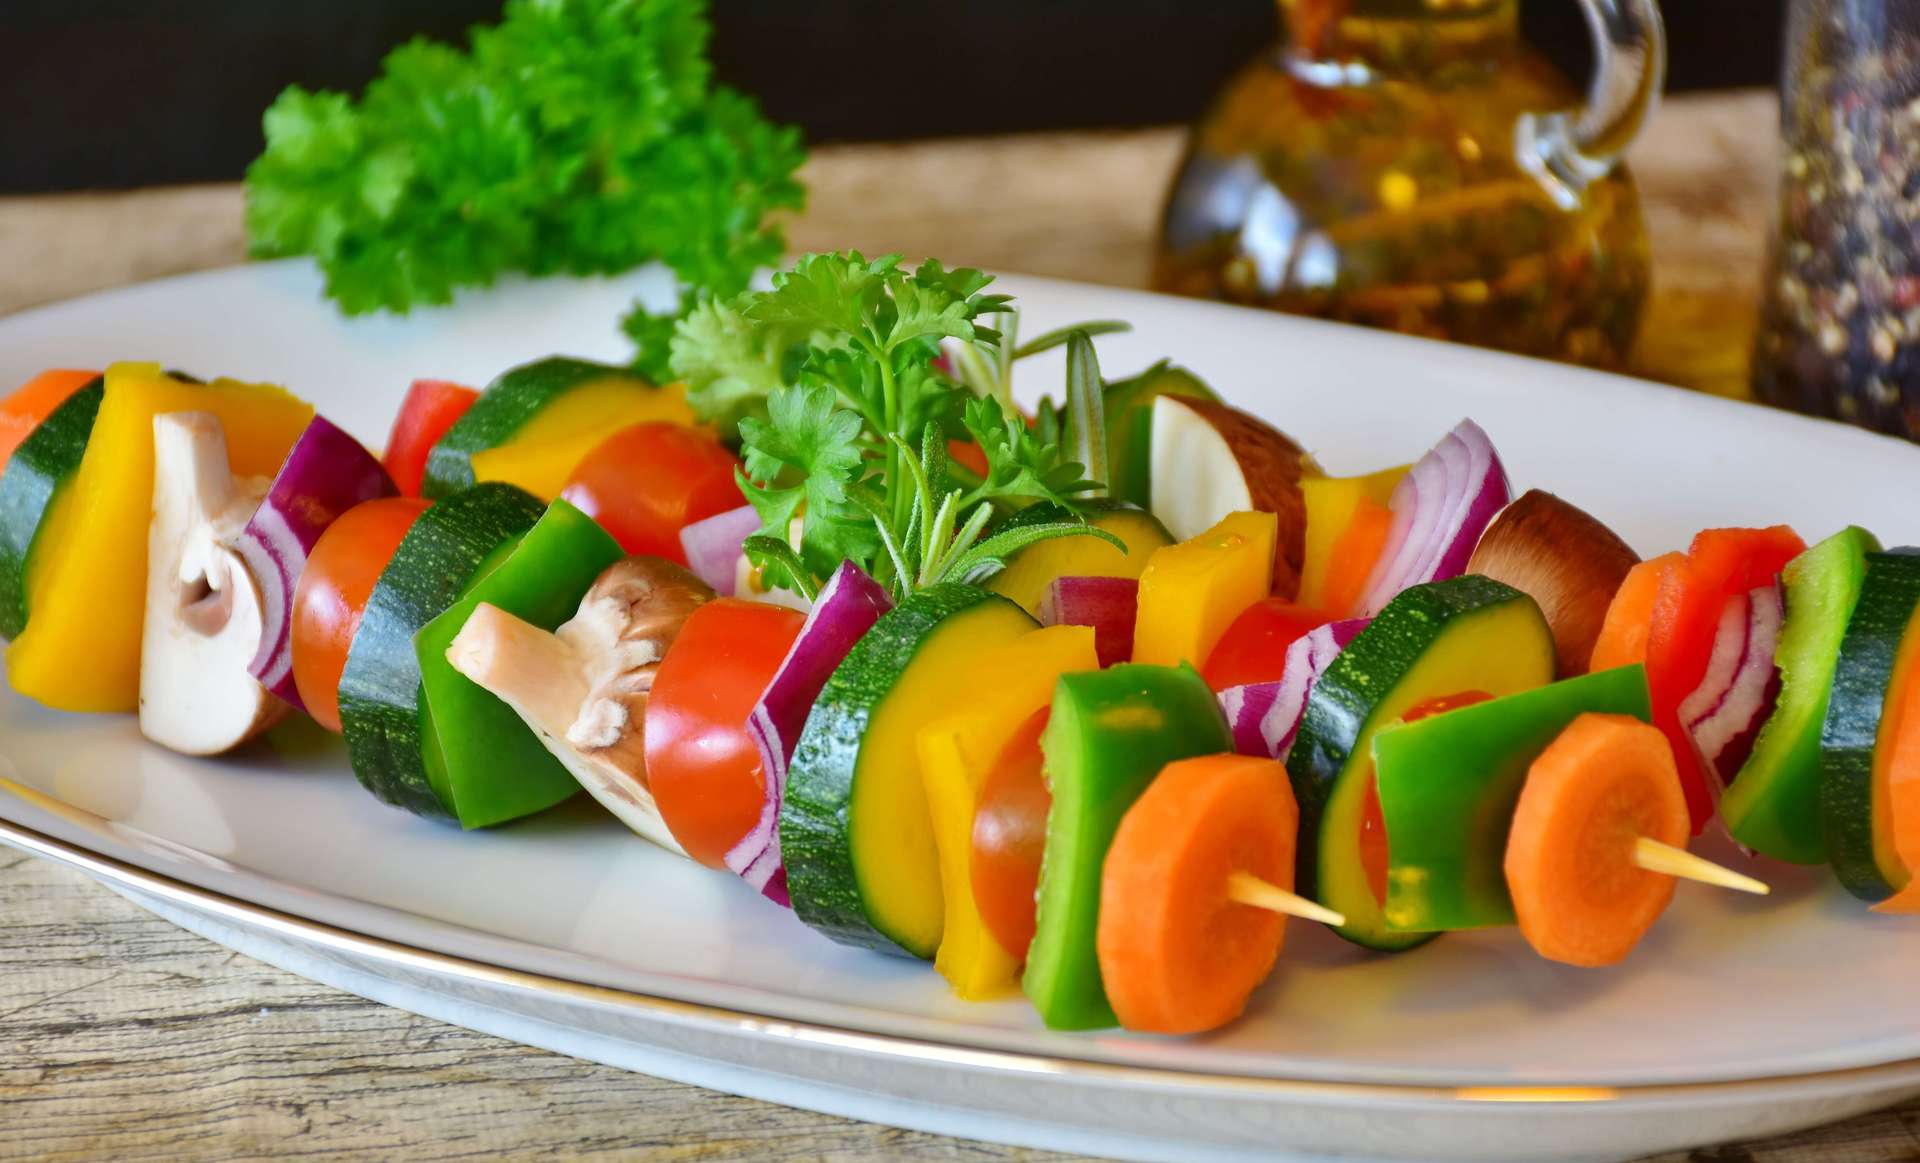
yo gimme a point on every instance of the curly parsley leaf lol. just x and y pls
(576, 136)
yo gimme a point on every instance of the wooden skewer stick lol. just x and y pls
(1248, 889)
(1654, 856)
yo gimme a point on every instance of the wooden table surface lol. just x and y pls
(123, 1037)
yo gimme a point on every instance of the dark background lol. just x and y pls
(105, 93)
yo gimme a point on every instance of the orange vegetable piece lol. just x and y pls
(1607, 781)
(1896, 762)
(1176, 954)
(1623, 636)
(23, 411)
(1355, 555)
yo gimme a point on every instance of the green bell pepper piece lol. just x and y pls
(1773, 803)
(1449, 786)
(485, 764)
(1110, 733)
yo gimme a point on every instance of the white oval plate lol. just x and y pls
(1735, 1017)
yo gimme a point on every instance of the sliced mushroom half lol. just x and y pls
(583, 688)
(203, 619)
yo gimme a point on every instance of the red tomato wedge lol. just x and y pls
(1720, 565)
(646, 483)
(1254, 648)
(1375, 849)
(702, 765)
(35, 400)
(431, 407)
(332, 595)
(1009, 834)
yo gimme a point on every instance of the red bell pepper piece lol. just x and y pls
(1254, 648)
(1721, 565)
(431, 407)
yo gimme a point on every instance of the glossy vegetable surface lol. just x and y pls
(430, 409)
(1448, 784)
(646, 483)
(1464, 634)
(536, 422)
(1606, 782)
(1177, 955)
(482, 760)
(32, 402)
(1108, 735)
(32, 484)
(1773, 805)
(704, 768)
(1192, 592)
(449, 545)
(332, 594)
(862, 864)
(988, 843)
(87, 593)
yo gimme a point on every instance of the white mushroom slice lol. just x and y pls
(203, 619)
(583, 688)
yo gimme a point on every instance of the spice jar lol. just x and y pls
(1840, 332)
(1414, 165)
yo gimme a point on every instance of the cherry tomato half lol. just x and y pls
(332, 595)
(646, 483)
(431, 407)
(702, 765)
(1009, 836)
(1254, 648)
(1375, 852)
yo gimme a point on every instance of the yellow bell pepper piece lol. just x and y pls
(957, 755)
(546, 450)
(1331, 504)
(1191, 592)
(87, 586)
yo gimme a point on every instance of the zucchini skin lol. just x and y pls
(508, 403)
(380, 693)
(1850, 732)
(1344, 700)
(816, 834)
(44, 462)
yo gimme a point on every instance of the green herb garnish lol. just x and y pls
(852, 449)
(576, 137)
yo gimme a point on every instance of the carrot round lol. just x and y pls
(1176, 955)
(1629, 622)
(1607, 781)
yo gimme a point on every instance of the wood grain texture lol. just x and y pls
(122, 1037)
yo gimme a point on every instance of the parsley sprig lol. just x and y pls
(851, 460)
(575, 137)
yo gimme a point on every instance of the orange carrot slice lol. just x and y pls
(1176, 955)
(1607, 781)
(1355, 554)
(1623, 636)
(22, 412)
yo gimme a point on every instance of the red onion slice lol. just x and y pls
(1108, 604)
(1724, 714)
(1440, 509)
(326, 473)
(713, 546)
(848, 606)
(1265, 716)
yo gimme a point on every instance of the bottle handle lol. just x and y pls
(1567, 151)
